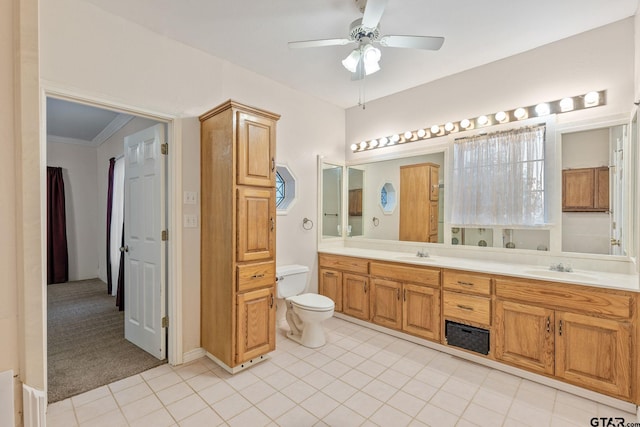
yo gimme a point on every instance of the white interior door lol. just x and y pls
(617, 176)
(145, 254)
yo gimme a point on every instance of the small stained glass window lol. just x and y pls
(383, 197)
(285, 189)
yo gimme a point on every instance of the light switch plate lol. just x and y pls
(190, 221)
(190, 197)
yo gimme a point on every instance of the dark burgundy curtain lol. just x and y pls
(112, 165)
(57, 253)
(120, 292)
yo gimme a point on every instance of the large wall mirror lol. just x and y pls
(331, 204)
(399, 199)
(596, 197)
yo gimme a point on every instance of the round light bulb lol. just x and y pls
(483, 120)
(520, 113)
(465, 123)
(354, 147)
(363, 145)
(408, 135)
(448, 126)
(373, 143)
(395, 138)
(421, 133)
(543, 109)
(383, 141)
(501, 116)
(566, 104)
(435, 129)
(591, 99)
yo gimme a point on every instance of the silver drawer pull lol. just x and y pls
(465, 283)
(465, 307)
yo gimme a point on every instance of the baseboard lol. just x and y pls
(195, 354)
(34, 406)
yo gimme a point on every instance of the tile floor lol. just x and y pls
(360, 378)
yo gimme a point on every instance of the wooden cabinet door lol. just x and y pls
(256, 144)
(256, 320)
(433, 219)
(594, 353)
(421, 311)
(355, 202)
(331, 286)
(256, 224)
(578, 189)
(414, 203)
(602, 189)
(524, 336)
(355, 296)
(386, 304)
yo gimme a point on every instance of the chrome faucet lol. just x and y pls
(561, 268)
(423, 253)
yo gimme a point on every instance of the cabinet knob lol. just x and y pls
(273, 224)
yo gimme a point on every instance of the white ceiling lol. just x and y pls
(254, 34)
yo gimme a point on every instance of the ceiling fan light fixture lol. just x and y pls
(351, 61)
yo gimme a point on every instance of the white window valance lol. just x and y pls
(498, 178)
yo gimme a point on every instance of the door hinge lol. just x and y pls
(165, 322)
(165, 235)
(164, 148)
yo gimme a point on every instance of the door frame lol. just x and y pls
(173, 205)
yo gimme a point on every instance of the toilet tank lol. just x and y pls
(292, 280)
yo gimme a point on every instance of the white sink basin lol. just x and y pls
(415, 258)
(560, 275)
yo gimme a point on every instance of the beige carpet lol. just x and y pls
(86, 346)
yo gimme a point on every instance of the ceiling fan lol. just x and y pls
(363, 60)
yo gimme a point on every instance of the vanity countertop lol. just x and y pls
(625, 282)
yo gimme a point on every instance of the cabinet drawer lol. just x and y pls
(344, 263)
(466, 282)
(405, 273)
(256, 275)
(467, 307)
(566, 297)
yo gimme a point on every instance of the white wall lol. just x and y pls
(87, 51)
(599, 59)
(79, 171)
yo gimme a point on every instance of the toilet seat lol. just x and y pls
(312, 302)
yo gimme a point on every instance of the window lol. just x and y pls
(387, 198)
(498, 179)
(285, 189)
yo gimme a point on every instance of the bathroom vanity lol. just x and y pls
(576, 327)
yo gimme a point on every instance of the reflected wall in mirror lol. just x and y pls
(372, 177)
(356, 211)
(331, 200)
(593, 184)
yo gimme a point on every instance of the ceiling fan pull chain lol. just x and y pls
(361, 94)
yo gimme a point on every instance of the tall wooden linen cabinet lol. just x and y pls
(238, 214)
(419, 193)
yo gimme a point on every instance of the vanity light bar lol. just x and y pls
(564, 105)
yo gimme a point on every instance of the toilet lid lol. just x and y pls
(314, 302)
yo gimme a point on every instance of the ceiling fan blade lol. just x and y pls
(373, 12)
(413, 42)
(319, 43)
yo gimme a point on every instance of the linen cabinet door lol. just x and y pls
(421, 311)
(331, 286)
(256, 150)
(355, 297)
(594, 353)
(524, 336)
(256, 320)
(386, 305)
(256, 224)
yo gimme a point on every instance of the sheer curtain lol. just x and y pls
(117, 221)
(498, 178)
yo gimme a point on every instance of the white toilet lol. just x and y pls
(305, 312)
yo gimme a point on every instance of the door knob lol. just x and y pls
(124, 248)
